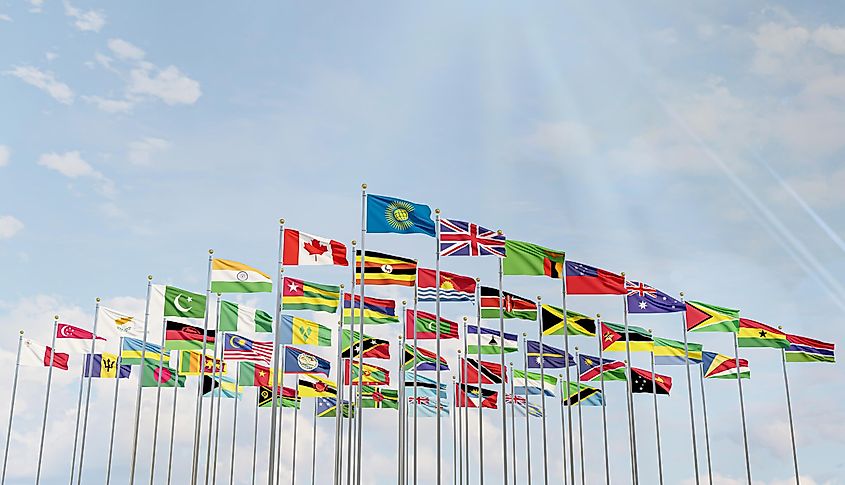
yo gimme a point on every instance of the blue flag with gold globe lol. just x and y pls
(389, 214)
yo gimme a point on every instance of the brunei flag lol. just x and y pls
(354, 345)
(672, 352)
(720, 366)
(576, 323)
(105, 366)
(316, 386)
(639, 339)
(643, 383)
(233, 277)
(756, 334)
(299, 331)
(304, 295)
(581, 394)
(384, 269)
(513, 306)
(181, 336)
(371, 375)
(286, 397)
(702, 317)
(376, 310)
(190, 362)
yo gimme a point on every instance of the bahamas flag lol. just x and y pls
(389, 214)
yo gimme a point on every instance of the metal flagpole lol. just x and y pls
(706, 429)
(352, 418)
(437, 330)
(255, 433)
(360, 413)
(416, 364)
(465, 410)
(12, 410)
(543, 393)
(402, 400)
(580, 429)
(172, 432)
(88, 394)
(339, 396)
(234, 425)
(478, 355)
(689, 395)
(281, 416)
(454, 436)
(271, 466)
(632, 427)
(513, 424)
(47, 399)
(158, 403)
(198, 418)
(458, 438)
(295, 423)
(502, 357)
(742, 411)
(603, 400)
(114, 415)
(566, 351)
(133, 461)
(527, 417)
(788, 411)
(78, 419)
(656, 416)
(314, 440)
(218, 354)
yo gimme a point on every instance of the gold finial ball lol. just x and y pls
(459, 351)
(354, 242)
(682, 294)
(650, 331)
(598, 315)
(622, 273)
(524, 334)
(478, 280)
(404, 302)
(465, 318)
(437, 211)
(281, 270)
(219, 295)
(150, 277)
(576, 349)
(539, 297)
(98, 299)
(282, 221)
(210, 251)
(363, 186)
(341, 286)
(21, 332)
(499, 232)
(55, 317)
(780, 327)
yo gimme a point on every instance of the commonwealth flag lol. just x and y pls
(385, 269)
(702, 317)
(524, 258)
(577, 323)
(237, 317)
(391, 214)
(756, 334)
(130, 352)
(803, 349)
(104, 366)
(233, 277)
(304, 295)
(376, 310)
(672, 352)
(719, 366)
(299, 331)
(639, 339)
(532, 383)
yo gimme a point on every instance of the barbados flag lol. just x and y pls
(105, 366)
(390, 214)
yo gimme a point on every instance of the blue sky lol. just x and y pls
(697, 148)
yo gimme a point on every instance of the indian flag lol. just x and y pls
(233, 277)
(235, 317)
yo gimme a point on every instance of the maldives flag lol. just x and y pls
(74, 340)
(300, 249)
(35, 354)
(426, 326)
(582, 279)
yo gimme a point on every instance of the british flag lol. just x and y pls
(459, 238)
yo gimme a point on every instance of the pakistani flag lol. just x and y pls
(236, 317)
(532, 383)
(486, 341)
(180, 303)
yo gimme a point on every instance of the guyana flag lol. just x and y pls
(304, 295)
(372, 375)
(576, 323)
(756, 334)
(254, 375)
(376, 397)
(384, 269)
(702, 317)
(513, 306)
(530, 259)
(287, 398)
(639, 338)
(368, 348)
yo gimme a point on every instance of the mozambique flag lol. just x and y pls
(384, 269)
(368, 347)
(104, 366)
(702, 317)
(132, 348)
(376, 310)
(299, 331)
(312, 385)
(371, 375)
(426, 326)
(181, 336)
(530, 259)
(803, 349)
(513, 306)
(591, 369)
(304, 295)
(576, 323)
(375, 397)
(234, 277)
(153, 374)
(286, 397)
(423, 359)
(608, 336)
(190, 362)
(756, 334)
(327, 408)
(720, 366)
(672, 352)
(580, 394)
(639, 339)
(642, 382)
(254, 375)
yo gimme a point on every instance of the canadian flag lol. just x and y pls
(35, 354)
(302, 249)
(74, 340)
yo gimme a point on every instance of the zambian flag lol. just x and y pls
(639, 338)
(577, 323)
(530, 259)
(304, 295)
(702, 317)
(756, 334)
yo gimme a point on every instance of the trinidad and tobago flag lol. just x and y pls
(487, 372)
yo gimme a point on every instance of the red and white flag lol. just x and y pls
(300, 249)
(35, 354)
(74, 340)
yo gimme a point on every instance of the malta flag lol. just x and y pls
(35, 354)
(300, 249)
(74, 340)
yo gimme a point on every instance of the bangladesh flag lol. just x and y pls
(152, 375)
(530, 259)
(181, 303)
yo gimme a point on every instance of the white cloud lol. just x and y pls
(90, 21)
(5, 154)
(50, 56)
(831, 39)
(36, 6)
(141, 152)
(9, 226)
(5, 17)
(71, 165)
(169, 85)
(125, 50)
(44, 81)
(111, 105)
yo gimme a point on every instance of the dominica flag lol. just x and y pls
(180, 303)
(105, 366)
(384, 269)
(379, 397)
(427, 324)
(524, 258)
(304, 295)
(391, 214)
(327, 408)
(673, 352)
(285, 397)
(513, 306)
(482, 340)
(133, 348)
(315, 386)
(233, 277)
(354, 345)
(638, 338)
(756, 334)
(371, 375)
(719, 366)
(532, 383)
(591, 368)
(702, 317)
(299, 331)
(576, 323)
(254, 375)
(642, 382)
(154, 375)
(181, 336)
(580, 394)
(376, 310)
(803, 349)
(453, 287)
(423, 359)
(223, 386)
(237, 317)
(190, 364)
(300, 249)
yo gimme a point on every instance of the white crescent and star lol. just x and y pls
(179, 306)
(66, 331)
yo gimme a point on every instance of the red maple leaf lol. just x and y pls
(315, 247)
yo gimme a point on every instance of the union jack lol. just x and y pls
(641, 289)
(459, 238)
(511, 399)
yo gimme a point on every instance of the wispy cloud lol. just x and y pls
(86, 21)
(9, 226)
(71, 165)
(45, 81)
(5, 155)
(142, 152)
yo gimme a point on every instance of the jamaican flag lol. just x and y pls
(577, 323)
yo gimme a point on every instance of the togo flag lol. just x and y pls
(233, 277)
(236, 317)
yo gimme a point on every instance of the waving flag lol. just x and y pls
(426, 326)
(480, 372)
(646, 299)
(285, 397)
(301, 249)
(180, 303)
(590, 369)
(513, 306)
(581, 395)
(467, 396)
(394, 215)
(156, 375)
(237, 317)
(482, 340)
(672, 352)
(190, 364)
(302, 362)
(803, 349)
(371, 375)
(423, 359)
(719, 366)
(583, 279)
(459, 238)
(379, 397)
(105, 366)
(254, 375)
(233, 277)
(638, 338)
(312, 385)
(425, 399)
(551, 357)
(702, 317)
(576, 323)
(642, 382)
(238, 348)
(181, 336)
(524, 258)
(453, 287)
(384, 269)
(305, 295)
(376, 310)
(756, 334)
(117, 324)
(35, 354)
(299, 331)
(133, 348)
(524, 407)
(532, 383)
(74, 340)
(368, 347)
(327, 407)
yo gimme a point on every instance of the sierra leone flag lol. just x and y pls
(487, 341)
(233, 277)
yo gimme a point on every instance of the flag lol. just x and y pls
(581, 395)
(300, 249)
(425, 360)
(591, 368)
(803, 349)
(672, 352)
(551, 358)
(530, 259)
(222, 385)
(390, 214)
(371, 375)
(467, 396)
(578, 324)
(286, 397)
(368, 347)
(316, 386)
(104, 366)
(384, 269)
(117, 324)
(154, 374)
(425, 399)
(74, 340)
(486, 341)
(702, 317)
(379, 397)
(254, 375)
(513, 306)
(720, 366)
(180, 303)
(132, 349)
(35, 354)
(426, 326)
(641, 382)
(327, 408)
(532, 383)
(638, 338)
(302, 362)
(304, 295)
(525, 407)
(233, 277)
(453, 287)
(756, 334)
(190, 362)
(473, 371)
(299, 331)
(646, 299)
(459, 238)
(238, 348)
(181, 336)
(376, 310)
(583, 279)
(237, 317)
(608, 336)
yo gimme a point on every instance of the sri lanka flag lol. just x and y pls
(583, 279)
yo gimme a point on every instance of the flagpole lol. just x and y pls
(689, 395)
(478, 355)
(218, 351)
(461, 418)
(338, 466)
(402, 401)
(656, 414)
(88, 394)
(543, 391)
(281, 422)
(568, 408)
(78, 418)
(276, 351)
(360, 414)
(172, 428)
(314, 440)
(513, 422)
(580, 428)
(706, 429)
(47, 400)
(298, 403)
(255, 432)
(352, 418)
(12, 409)
(632, 427)
(114, 414)
(198, 419)
(437, 331)
(742, 411)
(416, 364)
(234, 425)
(133, 461)
(527, 417)
(454, 435)
(465, 410)
(603, 400)
(158, 402)
(788, 412)
(502, 357)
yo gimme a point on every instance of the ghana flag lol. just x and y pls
(702, 317)
(513, 306)
(353, 346)
(803, 349)
(524, 258)
(385, 269)
(304, 295)
(576, 323)
(639, 339)
(756, 334)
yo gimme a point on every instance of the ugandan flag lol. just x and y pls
(304, 295)
(384, 269)
(702, 317)
(513, 306)
(371, 375)
(643, 383)
(311, 385)
(577, 323)
(756, 334)
(639, 339)
(181, 336)
(369, 347)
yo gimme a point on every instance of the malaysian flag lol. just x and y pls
(458, 238)
(237, 348)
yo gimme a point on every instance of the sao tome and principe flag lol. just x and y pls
(394, 215)
(190, 362)
(467, 396)
(180, 303)
(756, 334)
(482, 340)
(426, 326)
(35, 354)
(384, 269)
(423, 359)
(720, 366)
(803, 349)
(643, 298)
(581, 394)
(300, 249)
(480, 372)
(305, 295)
(524, 258)
(237, 317)
(576, 323)
(642, 382)
(354, 345)
(238, 348)
(301, 362)
(453, 287)
(638, 338)
(312, 385)
(583, 279)
(672, 352)
(254, 375)
(181, 336)
(154, 375)
(104, 366)
(299, 331)
(513, 306)
(459, 238)
(533, 384)
(702, 317)
(285, 397)
(590, 368)
(234, 277)
(371, 375)
(550, 357)
(376, 310)
(133, 348)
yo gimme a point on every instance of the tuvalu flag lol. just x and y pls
(190, 362)
(301, 249)
(254, 375)
(426, 326)
(756, 334)
(305, 295)
(393, 215)
(702, 317)
(453, 287)
(234, 277)
(385, 269)
(576, 323)
(181, 336)
(299, 331)
(638, 338)
(513, 306)
(354, 346)
(104, 366)
(525, 258)
(316, 386)
(376, 310)
(371, 375)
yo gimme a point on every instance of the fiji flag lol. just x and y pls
(642, 298)
(389, 214)
(302, 362)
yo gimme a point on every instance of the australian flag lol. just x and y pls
(551, 357)
(642, 298)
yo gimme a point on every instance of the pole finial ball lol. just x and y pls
(598, 315)
(150, 277)
(404, 302)
(55, 317)
(363, 186)
(354, 242)
(524, 334)
(622, 273)
(437, 211)
(499, 232)
(341, 286)
(576, 348)
(281, 221)
(210, 251)
(682, 294)
(97, 299)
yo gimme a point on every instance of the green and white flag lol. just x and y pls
(236, 317)
(234, 277)
(530, 383)
(488, 341)
(180, 303)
